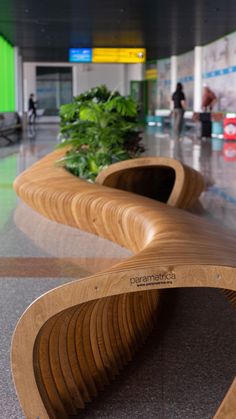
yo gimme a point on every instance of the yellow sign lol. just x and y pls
(119, 55)
(151, 74)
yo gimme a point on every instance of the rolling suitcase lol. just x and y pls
(206, 126)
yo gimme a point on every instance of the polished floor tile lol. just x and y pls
(187, 364)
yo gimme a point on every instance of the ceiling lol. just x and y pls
(45, 29)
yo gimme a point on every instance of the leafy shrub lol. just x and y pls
(99, 128)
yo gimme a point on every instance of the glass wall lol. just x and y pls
(54, 88)
(138, 92)
(7, 76)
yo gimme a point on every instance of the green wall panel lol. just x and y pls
(7, 77)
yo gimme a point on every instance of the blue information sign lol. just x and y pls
(80, 55)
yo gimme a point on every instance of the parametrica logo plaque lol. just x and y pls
(162, 278)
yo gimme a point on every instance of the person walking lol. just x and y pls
(32, 114)
(178, 105)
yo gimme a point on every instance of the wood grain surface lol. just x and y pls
(73, 340)
(160, 178)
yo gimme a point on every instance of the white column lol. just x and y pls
(29, 82)
(173, 72)
(198, 69)
(75, 79)
(126, 84)
(122, 85)
(58, 99)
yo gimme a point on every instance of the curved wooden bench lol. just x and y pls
(160, 178)
(77, 337)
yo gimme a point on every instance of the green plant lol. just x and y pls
(100, 127)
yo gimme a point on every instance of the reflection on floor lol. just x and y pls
(214, 158)
(184, 370)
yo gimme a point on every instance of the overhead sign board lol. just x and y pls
(107, 55)
(119, 55)
(80, 55)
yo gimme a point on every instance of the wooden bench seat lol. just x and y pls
(160, 178)
(73, 340)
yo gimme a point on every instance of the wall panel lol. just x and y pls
(7, 76)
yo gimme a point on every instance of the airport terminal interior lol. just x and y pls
(185, 367)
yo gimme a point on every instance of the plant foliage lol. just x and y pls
(100, 128)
